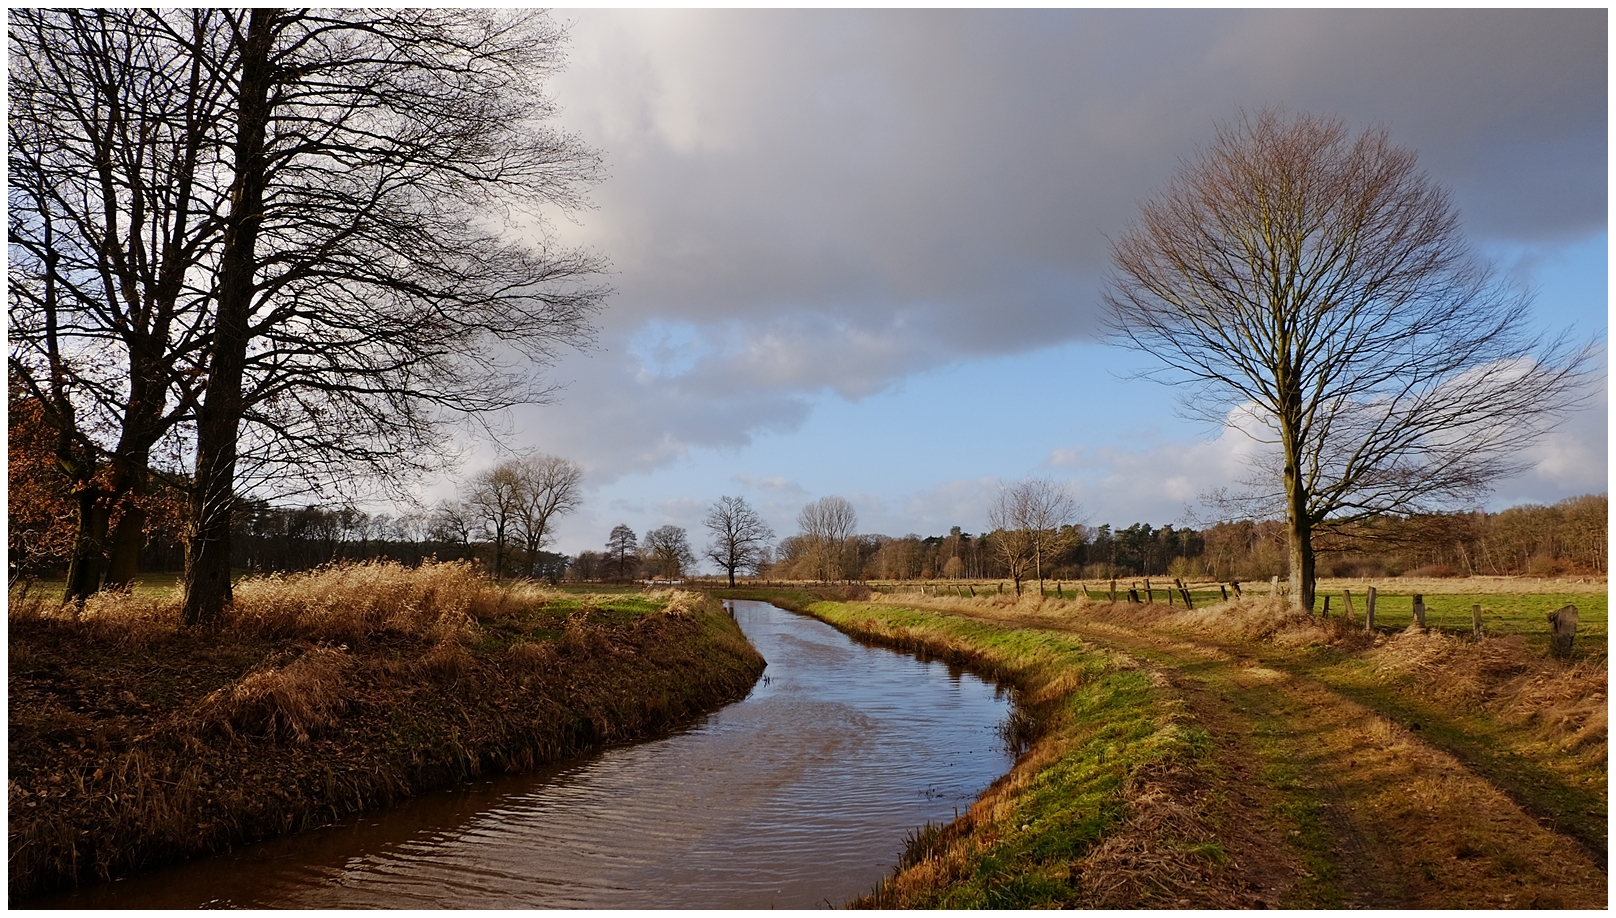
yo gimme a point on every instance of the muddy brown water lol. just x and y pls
(799, 796)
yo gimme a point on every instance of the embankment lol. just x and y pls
(1245, 755)
(1099, 810)
(135, 742)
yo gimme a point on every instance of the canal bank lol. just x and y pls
(799, 796)
(1101, 807)
(133, 742)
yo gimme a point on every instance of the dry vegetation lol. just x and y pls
(133, 741)
(1407, 768)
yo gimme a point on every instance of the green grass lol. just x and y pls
(1104, 723)
(1501, 613)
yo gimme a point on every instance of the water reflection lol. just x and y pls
(799, 796)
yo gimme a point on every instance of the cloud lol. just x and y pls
(822, 201)
(771, 484)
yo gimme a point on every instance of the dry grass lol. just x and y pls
(134, 740)
(346, 602)
(291, 701)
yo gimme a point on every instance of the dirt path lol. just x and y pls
(1322, 802)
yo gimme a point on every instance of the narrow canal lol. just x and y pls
(799, 796)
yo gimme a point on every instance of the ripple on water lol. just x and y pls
(799, 796)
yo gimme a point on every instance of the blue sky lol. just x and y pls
(860, 252)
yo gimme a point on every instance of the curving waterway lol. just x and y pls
(799, 796)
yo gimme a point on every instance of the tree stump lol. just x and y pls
(1133, 595)
(1563, 621)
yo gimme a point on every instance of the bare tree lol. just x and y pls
(1320, 281)
(371, 281)
(827, 525)
(549, 486)
(114, 202)
(739, 535)
(622, 550)
(1029, 518)
(667, 552)
(495, 502)
(452, 522)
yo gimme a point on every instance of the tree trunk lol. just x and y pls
(84, 566)
(1302, 580)
(123, 561)
(207, 549)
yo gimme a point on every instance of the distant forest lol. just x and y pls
(1569, 537)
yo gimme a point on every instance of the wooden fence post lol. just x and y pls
(1133, 595)
(1085, 587)
(1563, 621)
(972, 588)
(1150, 594)
(1273, 586)
(1346, 600)
(1113, 589)
(1419, 609)
(1326, 612)
(1225, 591)
(1475, 620)
(1185, 592)
(1369, 611)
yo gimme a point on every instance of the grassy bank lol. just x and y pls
(1244, 754)
(133, 741)
(1092, 813)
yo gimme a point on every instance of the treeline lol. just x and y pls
(1569, 537)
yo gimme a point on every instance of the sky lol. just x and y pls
(862, 252)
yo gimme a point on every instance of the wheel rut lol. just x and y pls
(1323, 802)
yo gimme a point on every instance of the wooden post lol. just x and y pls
(1133, 595)
(1346, 600)
(1237, 593)
(1150, 594)
(1188, 603)
(1369, 611)
(972, 588)
(1419, 610)
(1225, 591)
(1326, 613)
(1113, 589)
(1273, 586)
(1563, 621)
(1085, 587)
(1169, 597)
(1058, 594)
(1001, 588)
(1475, 620)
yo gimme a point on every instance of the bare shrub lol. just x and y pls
(1434, 571)
(291, 701)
